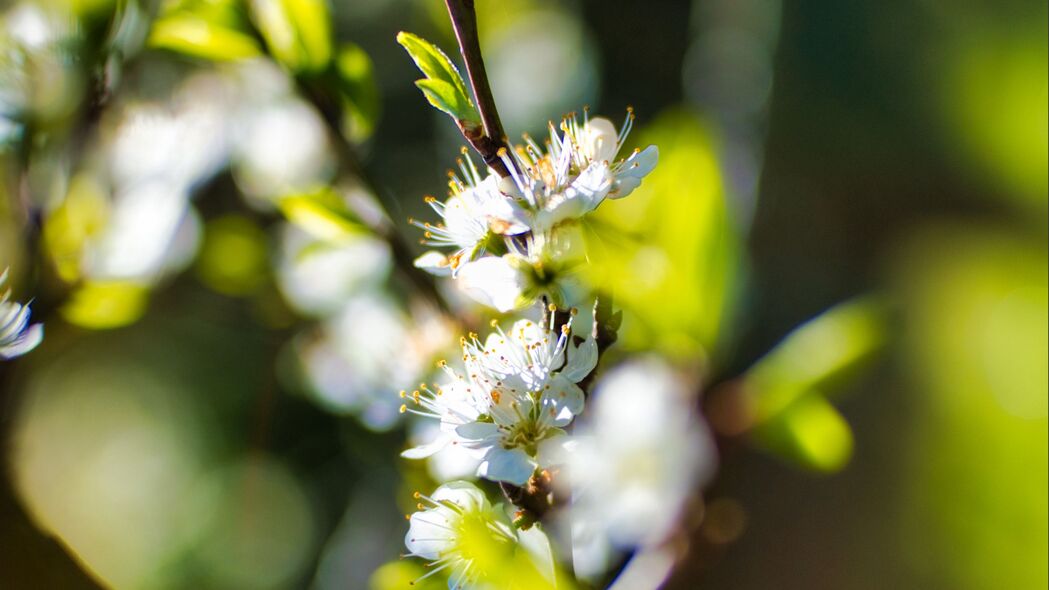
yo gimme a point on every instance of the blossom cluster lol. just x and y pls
(509, 401)
(510, 237)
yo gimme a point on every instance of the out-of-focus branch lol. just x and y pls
(403, 255)
(491, 139)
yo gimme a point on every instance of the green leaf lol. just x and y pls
(670, 252)
(819, 354)
(360, 93)
(810, 433)
(785, 389)
(297, 32)
(195, 36)
(443, 86)
(323, 214)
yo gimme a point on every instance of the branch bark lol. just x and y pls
(492, 138)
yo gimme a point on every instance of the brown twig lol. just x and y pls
(491, 138)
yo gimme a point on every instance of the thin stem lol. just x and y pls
(488, 143)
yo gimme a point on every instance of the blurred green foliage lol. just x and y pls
(360, 92)
(785, 390)
(322, 213)
(214, 30)
(297, 32)
(233, 258)
(670, 252)
(977, 487)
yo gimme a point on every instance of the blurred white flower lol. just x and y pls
(282, 148)
(318, 277)
(456, 529)
(638, 457)
(34, 28)
(178, 145)
(158, 154)
(17, 337)
(518, 392)
(138, 242)
(359, 354)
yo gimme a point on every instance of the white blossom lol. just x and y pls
(510, 405)
(537, 265)
(507, 233)
(577, 171)
(452, 526)
(473, 217)
(17, 337)
(639, 456)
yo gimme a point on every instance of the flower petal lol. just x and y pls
(562, 401)
(509, 465)
(427, 450)
(477, 431)
(601, 140)
(27, 341)
(434, 263)
(492, 281)
(581, 360)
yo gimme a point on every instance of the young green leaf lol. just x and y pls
(443, 86)
(819, 354)
(809, 433)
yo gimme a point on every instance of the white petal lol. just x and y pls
(24, 343)
(641, 163)
(562, 401)
(623, 186)
(581, 360)
(464, 219)
(601, 140)
(424, 451)
(492, 281)
(592, 184)
(463, 494)
(554, 451)
(629, 175)
(535, 542)
(509, 465)
(430, 534)
(477, 431)
(434, 263)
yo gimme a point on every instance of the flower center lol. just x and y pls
(525, 434)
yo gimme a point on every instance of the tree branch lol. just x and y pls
(492, 139)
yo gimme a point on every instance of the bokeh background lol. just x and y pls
(214, 403)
